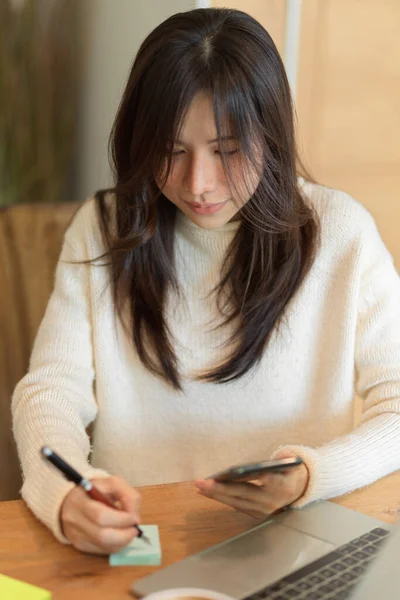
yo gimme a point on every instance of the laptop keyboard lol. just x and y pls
(331, 577)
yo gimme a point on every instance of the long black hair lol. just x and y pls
(227, 54)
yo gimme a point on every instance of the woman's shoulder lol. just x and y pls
(333, 204)
(346, 225)
(87, 226)
(338, 212)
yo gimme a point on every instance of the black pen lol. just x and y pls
(72, 475)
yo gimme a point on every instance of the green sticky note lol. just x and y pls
(140, 552)
(12, 589)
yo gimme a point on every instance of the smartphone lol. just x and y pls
(252, 471)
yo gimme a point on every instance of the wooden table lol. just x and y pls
(188, 523)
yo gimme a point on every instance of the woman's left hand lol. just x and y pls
(270, 493)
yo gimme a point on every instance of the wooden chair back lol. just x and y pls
(30, 243)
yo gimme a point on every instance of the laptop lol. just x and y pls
(382, 580)
(320, 551)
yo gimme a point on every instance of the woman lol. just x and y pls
(213, 308)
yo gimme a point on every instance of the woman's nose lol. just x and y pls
(200, 176)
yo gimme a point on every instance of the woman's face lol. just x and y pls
(197, 184)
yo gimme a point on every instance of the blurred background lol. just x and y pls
(63, 67)
(64, 64)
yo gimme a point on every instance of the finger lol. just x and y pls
(263, 500)
(275, 480)
(249, 491)
(101, 540)
(246, 506)
(289, 485)
(126, 496)
(244, 496)
(104, 516)
(79, 540)
(286, 454)
(87, 547)
(82, 543)
(83, 507)
(283, 454)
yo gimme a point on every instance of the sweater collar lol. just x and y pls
(183, 223)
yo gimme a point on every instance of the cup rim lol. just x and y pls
(183, 592)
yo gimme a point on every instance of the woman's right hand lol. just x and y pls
(93, 527)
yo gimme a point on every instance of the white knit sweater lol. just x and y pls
(341, 335)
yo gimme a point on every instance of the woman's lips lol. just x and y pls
(206, 209)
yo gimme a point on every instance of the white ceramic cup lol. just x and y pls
(187, 593)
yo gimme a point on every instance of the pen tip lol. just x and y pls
(46, 451)
(145, 539)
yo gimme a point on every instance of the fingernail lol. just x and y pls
(207, 488)
(203, 482)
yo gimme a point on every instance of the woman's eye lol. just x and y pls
(227, 152)
(177, 152)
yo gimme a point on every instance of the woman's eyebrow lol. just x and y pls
(225, 138)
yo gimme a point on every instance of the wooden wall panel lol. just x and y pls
(348, 103)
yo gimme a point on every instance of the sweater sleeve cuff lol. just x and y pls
(317, 487)
(335, 468)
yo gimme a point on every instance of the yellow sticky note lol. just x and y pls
(12, 589)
